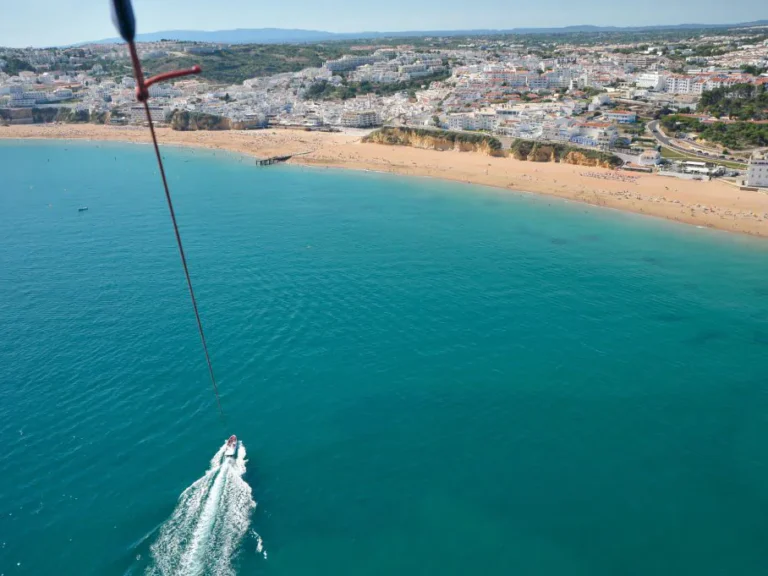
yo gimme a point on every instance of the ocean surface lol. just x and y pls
(429, 377)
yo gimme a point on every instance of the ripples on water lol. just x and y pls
(431, 378)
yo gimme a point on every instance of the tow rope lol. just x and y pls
(122, 15)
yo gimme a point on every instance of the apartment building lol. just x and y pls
(359, 119)
(757, 171)
(348, 62)
(620, 116)
(138, 116)
(651, 81)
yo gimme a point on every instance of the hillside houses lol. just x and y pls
(500, 86)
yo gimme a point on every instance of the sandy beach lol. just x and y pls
(714, 204)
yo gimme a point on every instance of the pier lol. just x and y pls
(273, 160)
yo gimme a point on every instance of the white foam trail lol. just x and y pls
(212, 516)
(259, 545)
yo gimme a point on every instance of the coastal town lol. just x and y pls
(641, 101)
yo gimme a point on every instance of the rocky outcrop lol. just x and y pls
(581, 159)
(540, 152)
(527, 150)
(436, 140)
(183, 120)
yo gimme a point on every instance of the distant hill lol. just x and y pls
(284, 36)
(238, 36)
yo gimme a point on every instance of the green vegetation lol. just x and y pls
(589, 91)
(637, 129)
(439, 139)
(324, 90)
(66, 115)
(733, 135)
(16, 65)
(706, 50)
(665, 111)
(738, 135)
(540, 152)
(753, 70)
(53, 114)
(236, 63)
(183, 120)
(670, 154)
(742, 101)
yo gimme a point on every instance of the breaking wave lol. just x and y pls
(203, 534)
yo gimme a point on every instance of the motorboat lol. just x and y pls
(230, 450)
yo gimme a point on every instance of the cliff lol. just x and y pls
(468, 142)
(183, 120)
(47, 115)
(436, 140)
(539, 152)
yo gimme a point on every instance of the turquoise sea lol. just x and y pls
(428, 377)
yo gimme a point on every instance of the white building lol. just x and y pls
(460, 122)
(650, 158)
(348, 62)
(138, 116)
(26, 98)
(537, 83)
(651, 81)
(485, 120)
(359, 119)
(413, 69)
(685, 85)
(63, 94)
(473, 121)
(596, 134)
(757, 171)
(620, 116)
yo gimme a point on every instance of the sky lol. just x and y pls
(63, 22)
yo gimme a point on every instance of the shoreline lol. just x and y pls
(711, 204)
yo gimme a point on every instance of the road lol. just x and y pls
(653, 127)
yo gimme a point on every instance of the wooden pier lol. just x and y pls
(277, 159)
(273, 160)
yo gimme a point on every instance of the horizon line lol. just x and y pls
(394, 33)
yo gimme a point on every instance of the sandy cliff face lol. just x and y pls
(581, 159)
(183, 120)
(538, 152)
(435, 140)
(467, 142)
(542, 154)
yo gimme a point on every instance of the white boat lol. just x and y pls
(230, 450)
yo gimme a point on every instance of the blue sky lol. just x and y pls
(57, 22)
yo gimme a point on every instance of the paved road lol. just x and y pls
(653, 127)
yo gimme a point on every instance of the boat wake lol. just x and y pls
(212, 516)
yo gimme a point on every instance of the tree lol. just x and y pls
(436, 121)
(752, 69)
(16, 65)
(743, 101)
